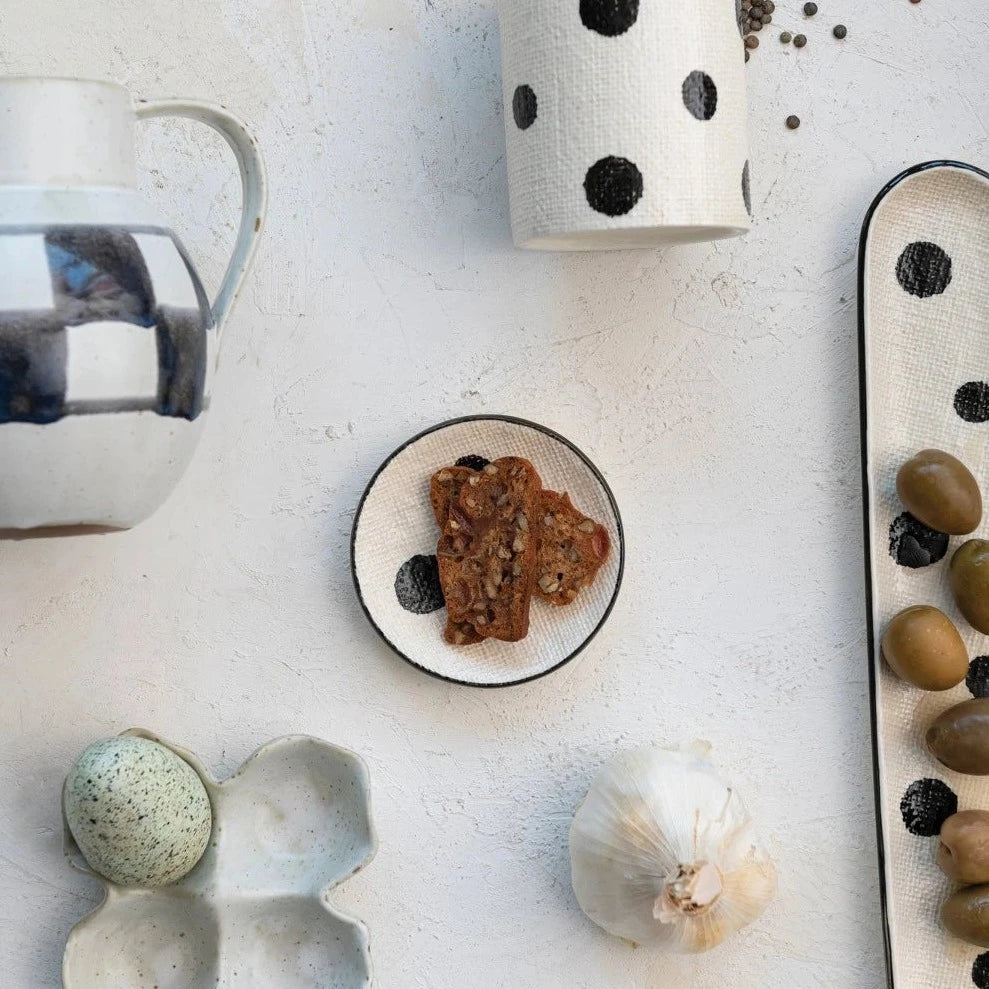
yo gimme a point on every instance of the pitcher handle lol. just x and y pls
(254, 188)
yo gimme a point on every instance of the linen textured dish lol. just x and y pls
(925, 349)
(395, 532)
(625, 122)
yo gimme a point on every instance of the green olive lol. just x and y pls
(969, 579)
(959, 737)
(963, 854)
(939, 489)
(923, 647)
(966, 915)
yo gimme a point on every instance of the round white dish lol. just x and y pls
(394, 525)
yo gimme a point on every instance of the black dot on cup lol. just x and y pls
(613, 186)
(524, 107)
(926, 805)
(473, 461)
(609, 17)
(913, 544)
(700, 95)
(972, 401)
(746, 189)
(417, 585)
(977, 678)
(923, 269)
(980, 971)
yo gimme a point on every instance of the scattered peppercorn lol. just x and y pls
(799, 41)
(793, 121)
(810, 9)
(786, 37)
(751, 41)
(770, 8)
(840, 31)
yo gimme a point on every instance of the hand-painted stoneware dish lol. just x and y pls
(924, 367)
(288, 827)
(394, 544)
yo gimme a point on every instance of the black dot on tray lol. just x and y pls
(609, 17)
(473, 461)
(700, 95)
(923, 269)
(926, 805)
(417, 585)
(980, 971)
(524, 107)
(972, 401)
(613, 186)
(977, 679)
(913, 544)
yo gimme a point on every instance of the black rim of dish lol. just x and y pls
(867, 533)
(598, 476)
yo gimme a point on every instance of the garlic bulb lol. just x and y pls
(663, 851)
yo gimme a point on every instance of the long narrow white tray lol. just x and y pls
(924, 366)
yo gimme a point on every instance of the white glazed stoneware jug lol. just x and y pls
(107, 340)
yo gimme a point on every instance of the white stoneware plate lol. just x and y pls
(288, 827)
(394, 543)
(924, 367)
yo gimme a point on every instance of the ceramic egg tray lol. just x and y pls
(291, 824)
(924, 367)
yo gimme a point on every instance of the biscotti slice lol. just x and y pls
(572, 549)
(487, 554)
(444, 490)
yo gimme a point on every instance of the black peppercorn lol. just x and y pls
(751, 41)
(800, 40)
(840, 31)
(810, 9)
(786, 37)
(793, 121)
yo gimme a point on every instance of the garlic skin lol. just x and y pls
(663, 851)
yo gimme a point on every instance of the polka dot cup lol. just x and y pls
(626, 122)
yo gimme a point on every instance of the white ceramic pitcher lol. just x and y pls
(107, 340)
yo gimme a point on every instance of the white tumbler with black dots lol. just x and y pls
(626, 122)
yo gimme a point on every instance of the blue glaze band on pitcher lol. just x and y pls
(98, 274)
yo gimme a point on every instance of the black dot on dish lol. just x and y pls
(926, 805)
(700, 95)
(913, 544)
(972, 401)
(609, 17)
(613, 186)
(746, 189)
(923, 269)
(977, 679)
(417, 585)
(524, 107)
(473, 461)
(980, 971)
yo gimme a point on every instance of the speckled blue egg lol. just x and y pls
(139, 813)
